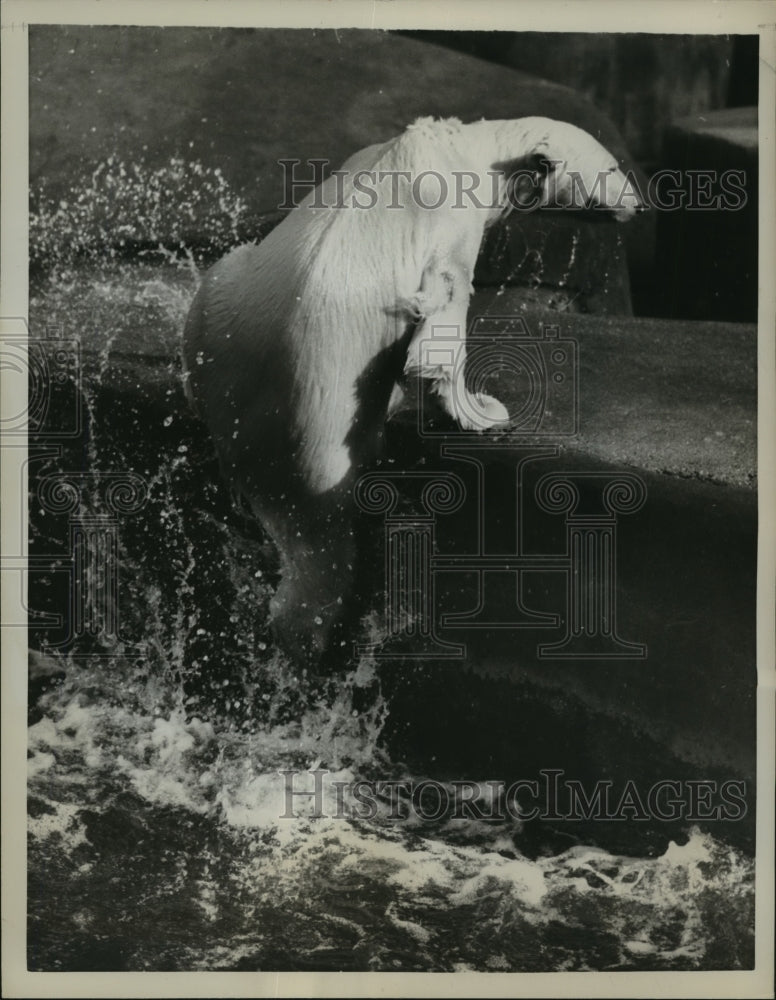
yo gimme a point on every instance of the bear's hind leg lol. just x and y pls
(317, 555)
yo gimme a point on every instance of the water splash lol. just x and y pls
(259, 891)
(123, 206)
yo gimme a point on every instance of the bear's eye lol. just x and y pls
(523, 187)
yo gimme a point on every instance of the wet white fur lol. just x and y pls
(287, 343)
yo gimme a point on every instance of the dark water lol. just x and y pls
(155, 836)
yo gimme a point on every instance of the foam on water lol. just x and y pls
(104, 751)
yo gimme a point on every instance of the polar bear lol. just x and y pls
(293, 346)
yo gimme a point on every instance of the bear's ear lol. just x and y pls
(524, 179)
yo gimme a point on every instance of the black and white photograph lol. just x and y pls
(385, 444)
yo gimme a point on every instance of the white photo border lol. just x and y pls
(650, 16)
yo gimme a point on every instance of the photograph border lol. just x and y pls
(673, 16)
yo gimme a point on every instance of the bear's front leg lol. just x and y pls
(437, 350)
